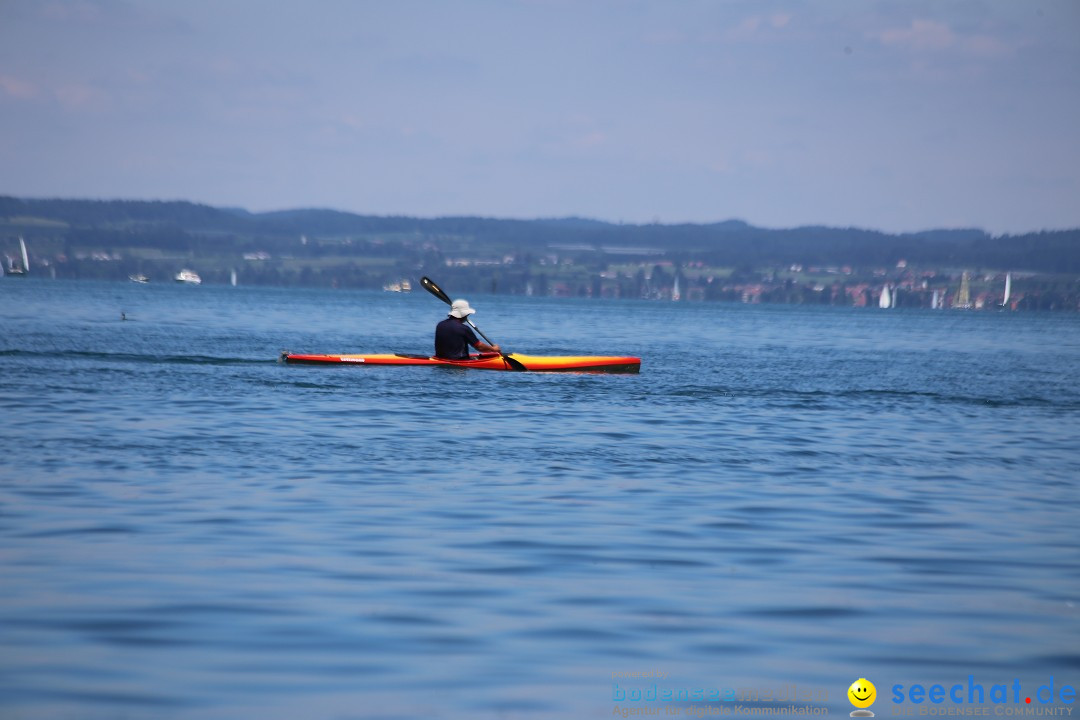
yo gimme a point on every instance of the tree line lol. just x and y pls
(67, 226)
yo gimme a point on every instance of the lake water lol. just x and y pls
(783, 497)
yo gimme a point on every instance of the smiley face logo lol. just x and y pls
(862, 693)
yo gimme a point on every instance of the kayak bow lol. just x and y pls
(494, 361)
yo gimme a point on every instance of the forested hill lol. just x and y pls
(194, 228)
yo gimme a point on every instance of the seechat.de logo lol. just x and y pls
(975, 693)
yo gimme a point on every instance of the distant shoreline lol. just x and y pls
(571, 257)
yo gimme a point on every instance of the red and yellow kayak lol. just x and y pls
(531, 363)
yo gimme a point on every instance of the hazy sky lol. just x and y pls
(896, 115)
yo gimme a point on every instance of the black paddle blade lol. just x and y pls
(514, 364)
(435, 290)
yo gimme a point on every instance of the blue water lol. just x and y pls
(784, 496)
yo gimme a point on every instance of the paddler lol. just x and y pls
(453, 336)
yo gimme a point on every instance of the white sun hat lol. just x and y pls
(461, 309)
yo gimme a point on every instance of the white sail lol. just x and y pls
(1008, 289)
(25, 257)
(676, 294)
(885, 301)
(232, 278)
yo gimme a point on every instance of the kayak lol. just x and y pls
(493, 361)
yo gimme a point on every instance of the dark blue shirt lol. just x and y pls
(453, 338)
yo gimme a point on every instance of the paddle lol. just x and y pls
(437, 291)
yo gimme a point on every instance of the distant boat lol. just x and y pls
(938, 301)
(676, 294)
(139, 278)
(885, 301)
(232, 278)
(1008, 290)
(25, 269)
(189, 277)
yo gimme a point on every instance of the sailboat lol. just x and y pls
(25, 269)
(885, 301)
(1008, 290)
(676, 294)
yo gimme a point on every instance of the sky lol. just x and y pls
(894, 115)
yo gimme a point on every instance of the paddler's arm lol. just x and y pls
(485, 348)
